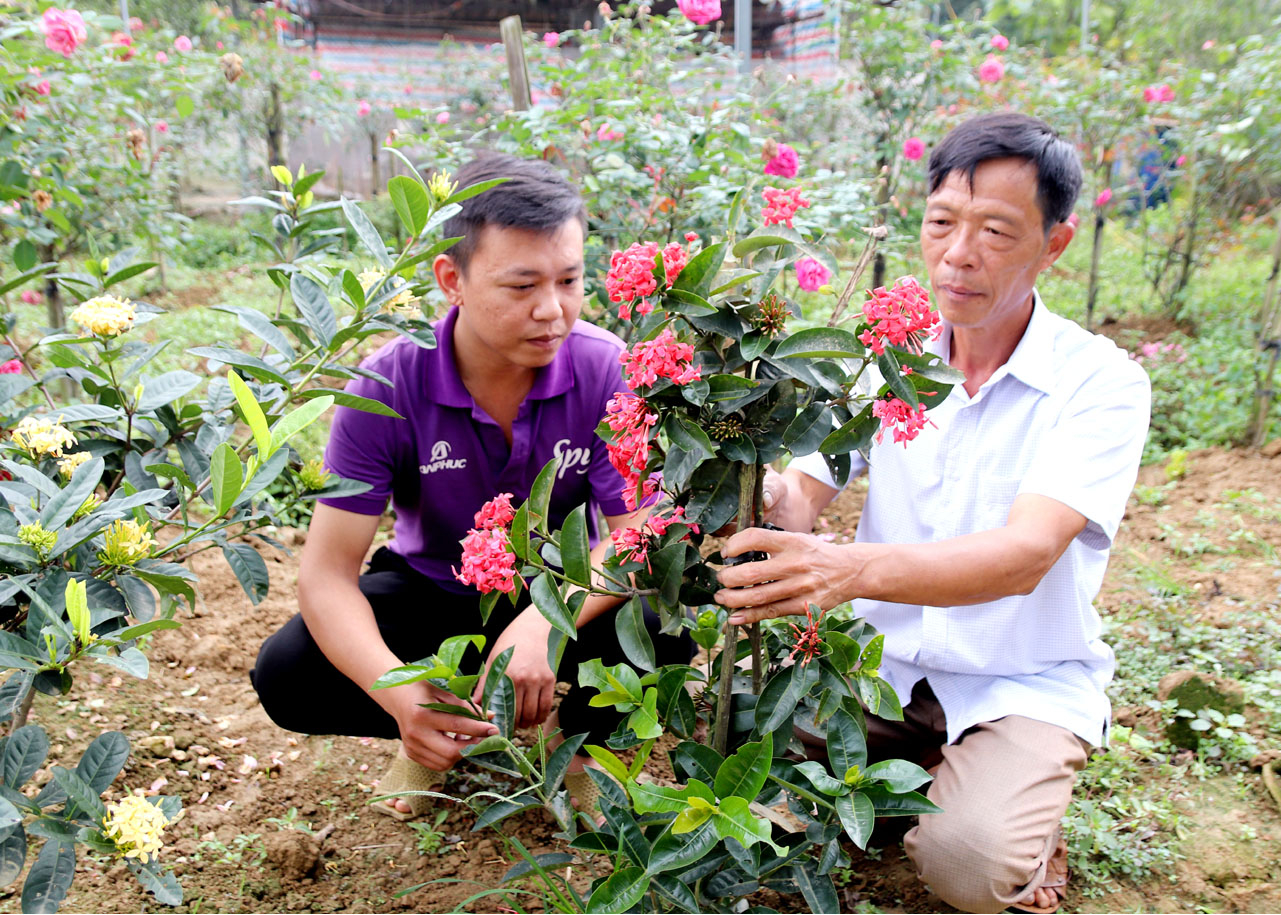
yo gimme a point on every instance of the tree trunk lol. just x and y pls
(275, 129)
(749, 477)
(57, 319)
(882, 201)
(1093, 293)
(1269, 350)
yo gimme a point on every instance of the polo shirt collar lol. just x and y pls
(445, 384)
(1032, 361)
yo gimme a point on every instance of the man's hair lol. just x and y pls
(1008, 135)
(535, 196)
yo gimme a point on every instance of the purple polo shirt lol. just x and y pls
(447, 457)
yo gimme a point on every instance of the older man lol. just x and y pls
(983, 543)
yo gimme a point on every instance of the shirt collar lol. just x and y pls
(1032, 361)
(445, 383)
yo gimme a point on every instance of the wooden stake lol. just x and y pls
(511, 31)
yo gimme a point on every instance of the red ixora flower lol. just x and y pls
(662, 357)
(497, 512)
(781, 206)
(784, 162)
(631, 273)
(901, 316)
(808, 642)
(12, 367)
(488, 562)
(632, 544)
(904, 421)
(632, 421)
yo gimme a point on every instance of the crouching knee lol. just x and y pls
(975, 866)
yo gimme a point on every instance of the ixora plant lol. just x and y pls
(717, 389)
(105, 493)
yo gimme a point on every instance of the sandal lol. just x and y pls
(1056, 878)
(583, 788)
(406, 779)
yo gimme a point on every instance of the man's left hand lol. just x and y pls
(533, 678)
(801, 570)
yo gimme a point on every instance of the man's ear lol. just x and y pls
(449, 277)
(1061, 235)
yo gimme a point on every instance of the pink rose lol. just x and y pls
(42, 87)
(182, 43)
(1103, 198)
(442, 117)
(12, 367)
(811, 274)
(363, 108)
(315, 76)
(1000, 42)
(1165, 93)
(991, 70)
(1181, 161)
(700, 12)
(913, 148)
(162, 126)
(64, 30)
(785, 162)
(162, 57)
(604, 133)
(31, 297)
(936, 44)
(135, 24)
(551, 39)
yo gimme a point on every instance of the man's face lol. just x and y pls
(985, 244)
(519, 297)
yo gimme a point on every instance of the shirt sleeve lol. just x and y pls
(362, 446)
(1089, 460)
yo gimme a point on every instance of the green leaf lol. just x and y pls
(889, 804)
(355, 401)
(870, 659)
(767, 237)
(134, 632)
(411, 202)
(78, 792)
(858, 816)
(298, 419)
(633, 637)
(165, 389)
(807, 431)
(226, 477)
(13, 855)
(644, 720)
(898, 775)
(698, 761)
(551, 604)
(471, 191)
(9, 815)
(50, 877)
(366, 232)
(77, 609)
(846, 743)
(620, 892)
(26, 276)
(250, 570)
(24, 255)
(540, 494)
(355, 291)
(662, 799)
(698, 274)
(780, 697)
(855, 435)
(818, 777)
(314, 306)
(59, 509)
(689, 436)
(818, 890)
(252, 365)
(674, 851)
(631, 840)
(744, 773)
(161, 884)
(574, 549)
(252, 413)
(687, 303)
(24, 753)
(901, 388)
(502, 702)
(185, 107)
(609, 762)
(734, 820)
(691, 818)
(818, 343)
(453, 649)
(675, 705)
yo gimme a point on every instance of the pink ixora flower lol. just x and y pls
(488, 562)
(315, 76)
(784, 162)
(605, 133)
(12, 367)
(631, 273)
(162, 126)
(1161, 93)
(442, 117)
(551, 39)
(811, 274)
(1000, 42)
(1181, 161)
(991, 70)
(700, 12)
(901, 419)
(31, 297)
(182, 43)
(936, 44)
(900, 316)
(781, 206)
(497, 512)
(42, 87)
(662, 357)
(64, 30)
(1104, 197)
(218, 45)
(363, 108)
(632, 421)
(162, 57)
(913, 148)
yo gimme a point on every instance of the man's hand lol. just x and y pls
(425, 733)
(793, 500)
(801, 570)
(534, 680)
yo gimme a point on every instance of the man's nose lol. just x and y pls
(547, 306)
(962, 249)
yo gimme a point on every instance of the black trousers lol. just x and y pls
(302, 691)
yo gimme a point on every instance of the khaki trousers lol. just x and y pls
(1003, 786)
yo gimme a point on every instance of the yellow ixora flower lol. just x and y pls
(136, 826)
(42, 437)
(441, 187)
(67, 466)
(125, 542)
(35, 536)
(105, 315)
(370, 278)
(313, 475)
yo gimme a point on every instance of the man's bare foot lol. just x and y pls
(1049, 895)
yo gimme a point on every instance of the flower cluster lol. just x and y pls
(901, 419)
(488, 561)
(631, 273)
(781, 205)
(441, 187)
(913, 148)
(42, 437)
(632, 544)
(313, 475)
(35, 536)
(1104, 198)
(992, 70)
(811, 274)
(900, 316)
(125, 542)
(783, 160)
(809, 643)
(64, 30)
(700, 12)
(136, 826)
(12, 367)
(662, 357)
(772, 313)
(632, 421)
(607, 134)
(1000, 42)
(1161, 93)
(371, 278)
(67, 466)
(105, 315)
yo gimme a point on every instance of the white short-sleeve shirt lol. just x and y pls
(1065, 417)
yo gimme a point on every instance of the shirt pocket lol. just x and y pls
(994, 496)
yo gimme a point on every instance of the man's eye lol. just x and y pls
(570, 281)
(524, 287)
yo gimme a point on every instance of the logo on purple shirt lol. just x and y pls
(440, 459)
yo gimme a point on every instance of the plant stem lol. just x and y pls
(750, 480)
(24, 709)
(874, 237)
(725, 690)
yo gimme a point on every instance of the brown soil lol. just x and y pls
(199, 732)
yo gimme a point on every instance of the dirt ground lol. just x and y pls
(276, 821)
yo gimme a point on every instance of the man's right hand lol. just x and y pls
(424, 733)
